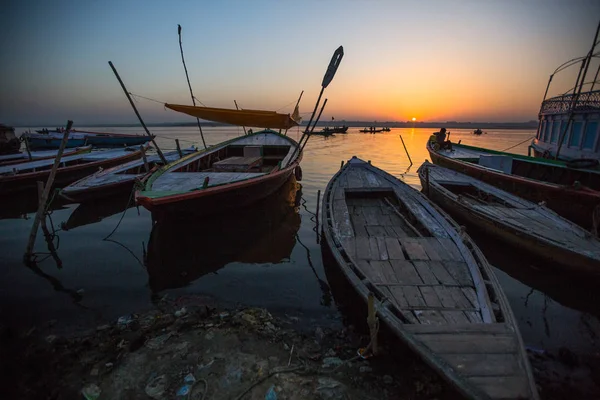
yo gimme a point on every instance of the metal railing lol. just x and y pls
(587, 101)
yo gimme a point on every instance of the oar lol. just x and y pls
(329, 74)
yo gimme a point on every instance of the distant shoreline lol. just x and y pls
(354, 124)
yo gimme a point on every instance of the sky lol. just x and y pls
(470, 60)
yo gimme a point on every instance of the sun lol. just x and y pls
(414, 119)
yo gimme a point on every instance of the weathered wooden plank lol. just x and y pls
(484, 364)
(441, 274)
(342, 219)
(461, 328)
(445, 296)
(368, 271)
(354, 179)
(398, 296)
(471, 296)
(383, 253)
(414, 249)
(376, 230)
(406, 272)
(358, 222)
(399, 232)
(412, 295)
(451, 250)
(433, 248)
(430, 317)
(374, 249)
(349, 245)
(394, 249)
(425, 273)
(430, 297)
(406, 314)
(503, 387)
(371, 215)
(475, 317)
(363, 248)
(384, 269)
(459, 271)
(459, 298)
(455, 317)
(471, 343)
(383, 220)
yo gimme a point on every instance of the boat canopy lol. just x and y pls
(256, 118)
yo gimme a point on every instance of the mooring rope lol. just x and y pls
(519, 143)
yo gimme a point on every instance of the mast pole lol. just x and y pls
(160, 153)
(237, 108)
(189, 84)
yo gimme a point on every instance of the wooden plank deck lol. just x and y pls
(423, 270)
(186, 181)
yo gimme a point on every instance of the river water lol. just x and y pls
(265, 256)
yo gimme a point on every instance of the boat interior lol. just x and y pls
(246, 158)
(472, 194)
(529, 167)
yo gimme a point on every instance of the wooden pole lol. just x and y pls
(178, 148)
(160, 153)
(237, 108)
(42, 201)
(189, 84)
(27, 148)
(47, 235)
(411, 163)
(146, 166)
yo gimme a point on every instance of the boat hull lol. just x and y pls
(227, 197)
(27, 182)
(110, 141)
(54, 143)
(560, 258)
(571, 203)
(84, 195)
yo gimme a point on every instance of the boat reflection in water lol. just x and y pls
(95, 211)
(180, 252)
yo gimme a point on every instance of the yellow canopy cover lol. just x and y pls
(256, 118)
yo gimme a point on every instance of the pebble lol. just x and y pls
(181, 312)
(365, 369)
(319, 334)
(103, 327)
(50, 338)
(156, 387)
(332, 362)
(388, 380)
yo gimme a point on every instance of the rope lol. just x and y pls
(519, 143)
(122, 215)
(147, 98)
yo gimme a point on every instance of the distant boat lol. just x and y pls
(371, 129)
(477, 132)
(335, 129)
(574, 193)
(569, 124)
(21, 157)
(430, 283)
(9, 143)
(115, 180)
(529, 226)
(51, 138)
(23, 177)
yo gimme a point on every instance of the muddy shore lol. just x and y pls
(196, 351)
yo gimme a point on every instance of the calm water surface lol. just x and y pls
(266, 256)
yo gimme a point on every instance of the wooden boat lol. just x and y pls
(232, 174)
(335, 129)
(264, 233)
(115, 180)
(477, 132)
(51, 139)
(371, 130)
(18, 158)
(519, 222)
(434, 288)
(23, 177)
(572, 193)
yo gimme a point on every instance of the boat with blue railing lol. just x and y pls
(569, 123)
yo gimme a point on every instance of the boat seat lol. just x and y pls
(497, 162)
(187, 181)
